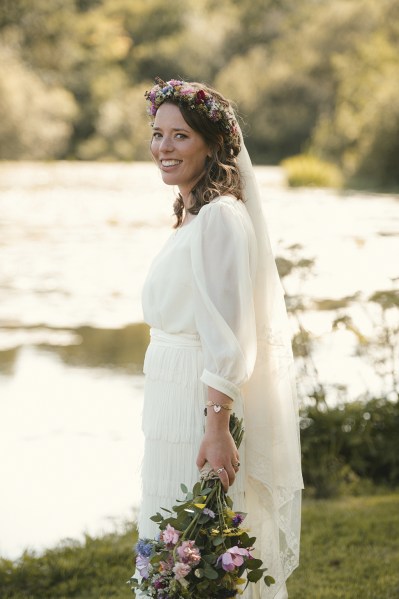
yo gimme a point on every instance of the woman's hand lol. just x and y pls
(219, 450)
(218, 447)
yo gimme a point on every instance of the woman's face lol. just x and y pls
(179, 151)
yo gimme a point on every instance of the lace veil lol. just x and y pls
(273, 457)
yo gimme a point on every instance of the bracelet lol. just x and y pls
(217, 407)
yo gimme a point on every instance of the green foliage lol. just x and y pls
(313, 77)
(346, 448)
(362, 130)
(35, 122)
(306, 171)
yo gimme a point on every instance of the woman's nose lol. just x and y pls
(166, 144)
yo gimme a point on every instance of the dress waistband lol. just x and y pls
(177, 339)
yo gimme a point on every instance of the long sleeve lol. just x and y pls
(223, 256)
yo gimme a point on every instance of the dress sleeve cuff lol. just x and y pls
(221, 384)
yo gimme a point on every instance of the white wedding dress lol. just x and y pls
(198, 299)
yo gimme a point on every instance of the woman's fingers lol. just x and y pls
(236, 464)
(226, 475)
(224, 478)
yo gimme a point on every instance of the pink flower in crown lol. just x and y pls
(181, 570)
(233, 558)
(170, 535)
(189, 553)
(186, 91)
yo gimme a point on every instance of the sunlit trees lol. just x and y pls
(308, 76)
(361, 131)
(35, 121)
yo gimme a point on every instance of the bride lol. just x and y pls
(219, 334)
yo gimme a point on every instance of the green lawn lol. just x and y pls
(350, 550)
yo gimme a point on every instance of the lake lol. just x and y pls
(76, 240)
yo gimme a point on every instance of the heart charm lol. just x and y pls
(217, 408)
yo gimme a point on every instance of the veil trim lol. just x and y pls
(273, 455)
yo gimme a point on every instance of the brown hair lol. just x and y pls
(221, 176)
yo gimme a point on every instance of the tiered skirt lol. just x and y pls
(173, 425)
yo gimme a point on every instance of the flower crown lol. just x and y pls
(188, 95)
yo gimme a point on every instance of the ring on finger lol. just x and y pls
(236, 465)
(219, 470)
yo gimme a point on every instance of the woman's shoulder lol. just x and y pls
(229, 200)
(225, 212)
(226, 204)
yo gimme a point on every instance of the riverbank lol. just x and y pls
(349, 550)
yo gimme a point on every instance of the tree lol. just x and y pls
(35, 122)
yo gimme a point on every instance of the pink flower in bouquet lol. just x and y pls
(181, 570)
(143, 565)
(170, 535)
(166, 566)
(189, 553)
(233, 558)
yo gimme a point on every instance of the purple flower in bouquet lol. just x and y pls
(170, 535)
(209, 512)
(143, 548)
(181, 570)
(233, 558)
(189, 553)
(238, 518)
(159, 584)
(143, 565)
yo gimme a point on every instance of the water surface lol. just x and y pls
(76, 240)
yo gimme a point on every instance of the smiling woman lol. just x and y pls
(206, 116)
(179, 151)
(220, 339)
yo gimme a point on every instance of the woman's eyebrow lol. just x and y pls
(173, 129)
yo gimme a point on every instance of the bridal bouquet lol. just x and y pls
(201, 550)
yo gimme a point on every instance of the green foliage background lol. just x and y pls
(307, 76)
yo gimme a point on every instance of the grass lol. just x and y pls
(96, 569)
(350, 550)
